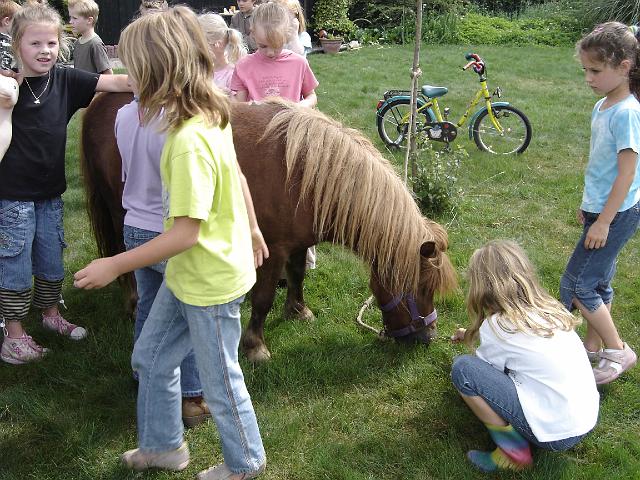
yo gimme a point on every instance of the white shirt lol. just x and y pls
(553, 378)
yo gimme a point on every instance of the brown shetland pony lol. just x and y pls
(312, 180)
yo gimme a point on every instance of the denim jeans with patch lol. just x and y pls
(589, 272)
(474, 377)
(171, 330)
(148, 281)
(31, 242)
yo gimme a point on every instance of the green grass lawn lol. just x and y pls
(336, 402)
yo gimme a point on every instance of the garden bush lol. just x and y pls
(555, 28)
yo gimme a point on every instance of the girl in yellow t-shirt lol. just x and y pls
(198, 304)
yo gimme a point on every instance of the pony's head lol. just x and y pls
(410, 317)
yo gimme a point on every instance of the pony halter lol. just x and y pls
(418, 321)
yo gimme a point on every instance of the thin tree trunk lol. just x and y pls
(411, 155)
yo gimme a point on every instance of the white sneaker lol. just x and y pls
(175, 460)
(222, 472)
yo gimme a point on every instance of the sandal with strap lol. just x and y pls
(614, 363)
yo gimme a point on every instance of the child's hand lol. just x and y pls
(97, 274)
(17, 76)
(580, 216)
(458, 336)
(8, 92)
(260, 249)
(596, 235)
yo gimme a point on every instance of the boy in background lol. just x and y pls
(89, 53)
(241, 21)
(7, 9)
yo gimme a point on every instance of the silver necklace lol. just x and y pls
(37, 98)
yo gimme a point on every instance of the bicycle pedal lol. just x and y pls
(441, 131)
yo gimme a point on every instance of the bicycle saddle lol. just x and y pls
(433, 92)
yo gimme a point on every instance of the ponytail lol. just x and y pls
(235, 48)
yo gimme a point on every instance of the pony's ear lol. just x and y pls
(428, 249)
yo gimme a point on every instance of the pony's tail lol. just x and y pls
(235, 48)
(95, 149)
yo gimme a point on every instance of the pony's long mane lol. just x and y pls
(358, 199)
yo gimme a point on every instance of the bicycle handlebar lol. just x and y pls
(474, 61)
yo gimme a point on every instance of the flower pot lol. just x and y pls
(331, 45)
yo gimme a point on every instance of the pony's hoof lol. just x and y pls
(299, 313)
(258, 355)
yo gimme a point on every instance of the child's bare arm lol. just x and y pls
(8, 98)
(101, 272)
(260, 249)
(599, 231)
(113, 83)
(310, 100)
(240, 96)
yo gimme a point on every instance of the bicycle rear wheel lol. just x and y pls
(516, 131)
(393, 122)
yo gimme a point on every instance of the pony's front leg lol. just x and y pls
(262, 295)
(294, 306)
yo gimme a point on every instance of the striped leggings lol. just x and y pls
(14, 306)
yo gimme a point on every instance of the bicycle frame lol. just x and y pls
(482, 93)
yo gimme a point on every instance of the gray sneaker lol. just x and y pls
(222, 472)
(138, 460)
(613, 364)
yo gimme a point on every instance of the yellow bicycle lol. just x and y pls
(497, 127)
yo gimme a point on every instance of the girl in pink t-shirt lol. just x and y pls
(226, 47)
(273, 71)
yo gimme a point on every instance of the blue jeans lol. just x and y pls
(474, 377)
(31, 242)
(171, 330)
(148, 281)
(588, 275)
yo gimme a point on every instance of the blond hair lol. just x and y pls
(503, 281)
(85, 8)
(216, 30)
(167, 56)
(41, 14)
(295, 8)
(8, 8)
(273, 19)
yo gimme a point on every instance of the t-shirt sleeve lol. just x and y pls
(82, 88)
(192, 184)
(100, 57)
(491, 348)
(237, 83)
(309, 81)
(626, 129)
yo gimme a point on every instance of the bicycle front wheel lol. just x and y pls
(393, 122)
(516, 131)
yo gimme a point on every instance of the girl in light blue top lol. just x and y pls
(610, 209)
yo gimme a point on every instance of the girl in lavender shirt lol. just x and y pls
(226, 47)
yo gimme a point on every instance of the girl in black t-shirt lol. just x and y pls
(33, 179)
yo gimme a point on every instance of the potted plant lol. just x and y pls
(330, 43)
(330, 17)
